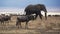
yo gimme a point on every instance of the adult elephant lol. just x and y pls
(36, 9)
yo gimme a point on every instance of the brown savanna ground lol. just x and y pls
(38, 26)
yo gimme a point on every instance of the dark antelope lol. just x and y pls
(24, 18)
(4, 18)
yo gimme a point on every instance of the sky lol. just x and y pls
(24, 3)
(19, 5)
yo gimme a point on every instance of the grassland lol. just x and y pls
(38, 26)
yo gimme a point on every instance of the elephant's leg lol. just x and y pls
(36, 16)
(40, 15)
(26, 26)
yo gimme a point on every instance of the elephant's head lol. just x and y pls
(43, 8)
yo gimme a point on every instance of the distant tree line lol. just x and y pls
(54, 15)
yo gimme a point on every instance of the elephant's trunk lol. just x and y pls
(45, 12)
(45, 15)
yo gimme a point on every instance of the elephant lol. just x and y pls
(36, 9)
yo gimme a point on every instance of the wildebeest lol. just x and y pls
(24, 18)
(4, 18)
(36, 9)
(1, 19)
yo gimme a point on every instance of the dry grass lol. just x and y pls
(34, 27)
